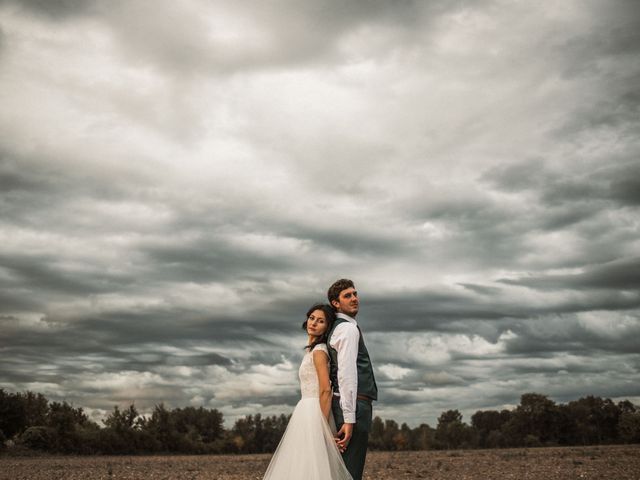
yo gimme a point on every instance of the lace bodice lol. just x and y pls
(308, 375)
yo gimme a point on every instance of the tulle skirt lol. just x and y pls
(307, 450)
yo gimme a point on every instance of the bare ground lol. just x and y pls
(598, 462)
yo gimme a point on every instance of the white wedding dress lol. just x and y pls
(307, 450)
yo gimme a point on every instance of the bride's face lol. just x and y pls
(316, 323)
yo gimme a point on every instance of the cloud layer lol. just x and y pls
(179, 183)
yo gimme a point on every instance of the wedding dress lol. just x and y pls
(307, 450)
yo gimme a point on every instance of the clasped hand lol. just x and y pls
(343, 436)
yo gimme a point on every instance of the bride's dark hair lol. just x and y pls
(329, 315)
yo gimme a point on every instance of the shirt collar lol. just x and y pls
(347, 318)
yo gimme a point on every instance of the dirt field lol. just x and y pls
(610, 462)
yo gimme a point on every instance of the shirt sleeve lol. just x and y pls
(345, 340)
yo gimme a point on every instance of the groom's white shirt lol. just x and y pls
(344, 340)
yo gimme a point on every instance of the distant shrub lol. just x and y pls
(629, 427)
(532, 441)
(495, 439)
(37, 438)
(88, 440)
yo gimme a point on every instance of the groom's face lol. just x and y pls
(347, 302)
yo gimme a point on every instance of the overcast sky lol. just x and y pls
(179, 181)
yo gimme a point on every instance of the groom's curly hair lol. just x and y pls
(334, 290)
(329, 315)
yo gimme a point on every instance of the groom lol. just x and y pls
(351, 374)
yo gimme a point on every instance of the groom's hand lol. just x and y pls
(344, 436)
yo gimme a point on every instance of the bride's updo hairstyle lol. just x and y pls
(329, 315)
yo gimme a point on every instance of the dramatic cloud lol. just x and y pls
(178, 183)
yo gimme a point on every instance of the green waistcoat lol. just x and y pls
(366, 381)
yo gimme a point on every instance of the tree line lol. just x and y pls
(29, 422)
(536, 422)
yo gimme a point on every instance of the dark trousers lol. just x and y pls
(356, 453)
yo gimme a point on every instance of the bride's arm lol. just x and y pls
(321, 361)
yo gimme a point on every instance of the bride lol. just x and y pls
(308, 449)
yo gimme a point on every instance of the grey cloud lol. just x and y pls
(560, 202)
(210, 260)
(174, 327)
(296, 33)
(13, 180)
(17, 377)
(363, 244)
(624, 185)
(585, 345)
(563, 218)
(611, 34)
(37, 190)
(425, 310)
(15, 299)
(399, 398)
(619, 110)
(54, 9)
(615, 182)
(99, 359)
(23, 190)
(204, 359)
(479, 229)
(601, 387)
(517, 176)
(481, 289)
(535, 365)
(621, 274)
(103, 333)
(39, 176)
(442, 379)
(601, 331)
(259, 220)
(108, 257)
(41, 273)
(450, 312)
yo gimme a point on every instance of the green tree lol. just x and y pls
(488, 425)
(629, 427)
(13, 415)
(122, 421)
(376, 436)
(451, 432)
(390, 431)
(625, 406)
(595, 420)
(422, 437)
(537, 417)
(402, 440)
(272, 434)
(66, 421)
(244, 431)
(161, 426)
(122, 432)
(36, 408)
(495, 439)
(38, 438)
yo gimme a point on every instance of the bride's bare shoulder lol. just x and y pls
(321, 347)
